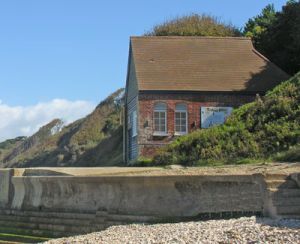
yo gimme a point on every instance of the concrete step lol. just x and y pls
(277, 176)
(74, 229)
(288, 210)
(15, 224)
(57, 224)
(34, 232)
(282, 184)
(70, 218)
(131, 218)
(46, 214)
(283, 193)
(60, 221)
(290, 216)
(51, 227)
(291, 201)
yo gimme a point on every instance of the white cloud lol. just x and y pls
(26, 120)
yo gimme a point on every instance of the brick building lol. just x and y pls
(179, 84)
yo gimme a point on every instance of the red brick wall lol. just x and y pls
(149, 144)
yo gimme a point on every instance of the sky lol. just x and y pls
(67, 55)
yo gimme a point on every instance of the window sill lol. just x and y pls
(180, 134)
(160, 134)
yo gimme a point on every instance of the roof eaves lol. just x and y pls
(269, 61)
(190, 37)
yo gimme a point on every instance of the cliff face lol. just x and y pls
(95, 140)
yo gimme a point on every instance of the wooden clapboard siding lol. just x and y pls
(130, 143)
(131, 83)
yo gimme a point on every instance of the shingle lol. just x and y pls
(202, 64)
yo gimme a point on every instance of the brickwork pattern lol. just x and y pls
(148, 144)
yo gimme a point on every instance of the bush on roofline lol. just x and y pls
(194, 25)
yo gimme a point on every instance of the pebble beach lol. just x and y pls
(243, 230)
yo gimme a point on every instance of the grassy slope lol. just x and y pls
(92, 141)
(7, 146)
(268, 128)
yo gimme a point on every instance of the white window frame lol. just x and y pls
(180, 133)
(165, 110)
(134, 123)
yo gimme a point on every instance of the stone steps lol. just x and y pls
(284, 194)
(131, 218)
(74, 218)
(279, 184)
(49, 224)
(289, 210)
(41, 220)
(290, 216)
(48, 214)
(292, 201)
(62, 224)
(54, 220)
(277, 176)
(34, 232)
(51, 227)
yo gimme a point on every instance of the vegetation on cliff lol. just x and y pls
(277, 35)
(92, 141)
(194, 25)
(265, 129)
(268, 128)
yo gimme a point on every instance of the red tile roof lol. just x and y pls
(202, 64)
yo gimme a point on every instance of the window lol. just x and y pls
(181, 125)
(160, 119)
(134, 123)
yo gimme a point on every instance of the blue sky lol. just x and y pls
(77, 49)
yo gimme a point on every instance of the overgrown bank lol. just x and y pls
(268, 128)
(95, 140)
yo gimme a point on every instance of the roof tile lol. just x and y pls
(202, 64)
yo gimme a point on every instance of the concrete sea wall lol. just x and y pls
(163, 196)
(6, 187)
(58, 203)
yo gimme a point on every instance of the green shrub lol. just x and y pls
(292, 155)
(194, 25)
(142, 162)
(258, 130)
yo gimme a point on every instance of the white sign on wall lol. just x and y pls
(211, 116)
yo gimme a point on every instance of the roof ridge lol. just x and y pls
(191, 37)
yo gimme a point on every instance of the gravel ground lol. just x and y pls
(243, 230)
(259, 168)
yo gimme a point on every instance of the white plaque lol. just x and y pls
(211, 116)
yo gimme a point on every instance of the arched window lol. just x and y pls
(160, 118)
(181, 119)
